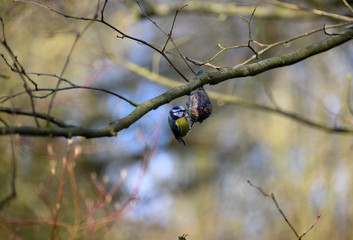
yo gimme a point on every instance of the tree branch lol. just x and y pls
(206, 78)
(43, 116)
(278, 61)
(230, 99)
(4, 202)
(230, 9)
(313, 11)
(272, 196)
(121, 34)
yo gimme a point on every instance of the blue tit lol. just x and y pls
(178, 123)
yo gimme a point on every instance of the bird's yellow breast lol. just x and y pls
(183, 126)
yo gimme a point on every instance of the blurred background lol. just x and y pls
(143, 184)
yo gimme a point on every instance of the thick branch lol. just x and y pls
(227, 9)
(207, 78)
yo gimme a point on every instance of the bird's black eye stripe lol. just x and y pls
(174, 115)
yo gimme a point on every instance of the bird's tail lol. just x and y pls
(182, 140)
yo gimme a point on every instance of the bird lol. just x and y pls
(179, 123)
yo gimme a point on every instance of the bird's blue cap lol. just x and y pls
(178, 108)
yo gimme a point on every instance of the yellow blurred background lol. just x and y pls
(143, 184)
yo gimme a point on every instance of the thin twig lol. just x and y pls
(171, 28)
(272, 196)
(73, 86)
(260, 189)
(18, 111)
(59, 198)
(168, 35)
(284, 216)
(348, 94)
(348, 6)
(249, 31)
(16, 64)
(182, 57)
(121, 34)
(75, 194)
(314, 11)
(173, 42)
(52, 75)
(52, 90)
(150, 19)
(103, 8)
(329, 34)
(10, 232)
(223, 49)
(311, 226)
(261, 52)
(68, 57)
(270, 46)
(199, 63)
(4, 202)
(20, 69)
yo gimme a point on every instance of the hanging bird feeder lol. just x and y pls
(199, 105)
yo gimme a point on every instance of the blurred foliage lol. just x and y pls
(162, 189)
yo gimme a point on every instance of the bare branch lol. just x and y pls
(272, 196)
(267, 46)
(103, 8)
(329, 34)
(19, 68)
(168, 35)
(171, 28)
(43, 116)
(207, 78)
(270, 46)
(314, 11)
(348, 94)
(249, 31)
(206, 63)
(311, 227)
(4, 202)
(121, 34)
(52, 75)
(223, 49)
(52, 91)
(229, 9)
(347, 5)
(229, 99)
(259, 189)
(68, 57)
(150, 19)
